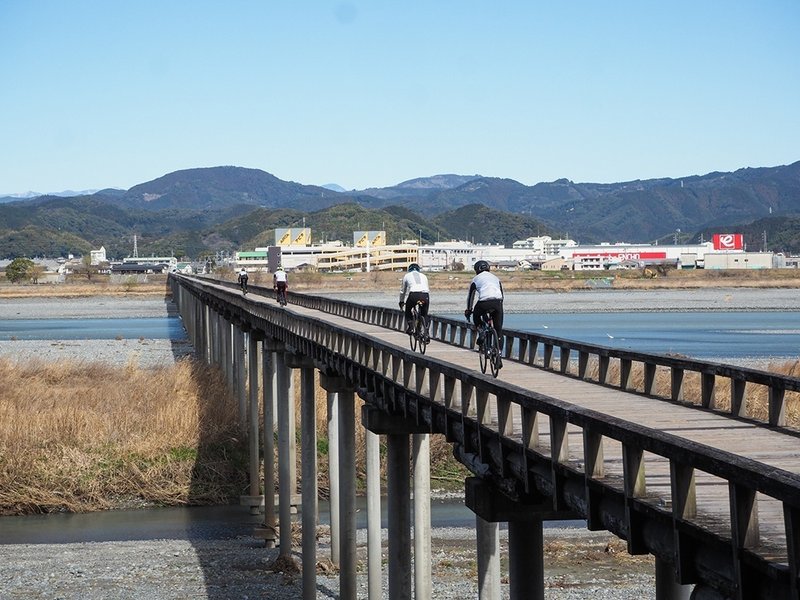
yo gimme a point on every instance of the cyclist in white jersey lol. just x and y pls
(488, 290)
(280, 281)
(415, 284)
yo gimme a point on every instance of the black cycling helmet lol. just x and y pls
(481, 266)
(413, 267)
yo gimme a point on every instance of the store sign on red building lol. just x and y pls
(728, 241)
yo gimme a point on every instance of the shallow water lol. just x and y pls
(718, 336)
(153, 328)
(193, 523)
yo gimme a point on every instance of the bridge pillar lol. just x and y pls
(269, 394)
(525, 536)
(215, 335)
(332, 385)
(421, 445)
(206, 332)
(347, 482)
(488, 548)
(333, 472)
(286, 454)
(254, 501)
(240, 375)
(374, 541)
(399, 509)
(398, 459)
(667, 588)
(227, 325)
(309, 481)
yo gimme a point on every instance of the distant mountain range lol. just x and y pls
(195, 212)
(28, 195)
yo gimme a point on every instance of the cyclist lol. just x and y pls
(242, 279)
(415, 283)
(489, 291)
(280, 282)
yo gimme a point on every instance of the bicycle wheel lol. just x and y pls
(483, 350)
(491, 350)
(412, 336)
(422, 335)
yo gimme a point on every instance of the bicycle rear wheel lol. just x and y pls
(483, 350)
(421, 335)
(491, 351)
(412, 337)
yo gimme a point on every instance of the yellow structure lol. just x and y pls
(363, 239)
(288, 236)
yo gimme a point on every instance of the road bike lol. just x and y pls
(243, 285)
(489, 346)
(418, 334)
(280, 295)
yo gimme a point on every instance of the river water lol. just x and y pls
(727, 336)
(152, 328)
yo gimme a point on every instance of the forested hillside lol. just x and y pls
(199, 211)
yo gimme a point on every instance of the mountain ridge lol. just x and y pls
(183, 208)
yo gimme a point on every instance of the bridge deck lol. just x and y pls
(714, 429)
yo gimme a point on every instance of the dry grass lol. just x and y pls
(84, 436)
(447, 474)
(756, 399)
(554, 280)
(78, 437)
(99, 286)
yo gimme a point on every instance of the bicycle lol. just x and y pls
(280, 296)
(418, 337)
(243, 285)
(489, 347)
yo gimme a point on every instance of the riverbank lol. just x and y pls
(578, 565)
(513, 281)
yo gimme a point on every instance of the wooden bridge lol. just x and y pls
(662, 451)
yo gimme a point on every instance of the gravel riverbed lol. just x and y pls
(579, 564)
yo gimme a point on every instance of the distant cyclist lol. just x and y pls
(243, 280)
(415, 284)
(489, 291)
(280, 282)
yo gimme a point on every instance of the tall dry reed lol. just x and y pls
(79, 436)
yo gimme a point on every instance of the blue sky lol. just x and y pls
(98, 94)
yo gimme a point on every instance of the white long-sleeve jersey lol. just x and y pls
(486, 287)
(414, 281)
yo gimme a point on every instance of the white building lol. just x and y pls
(443, 256)
(170, 261)
(544, 245)
(98, 256)
(740, 260)
(609, 256)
